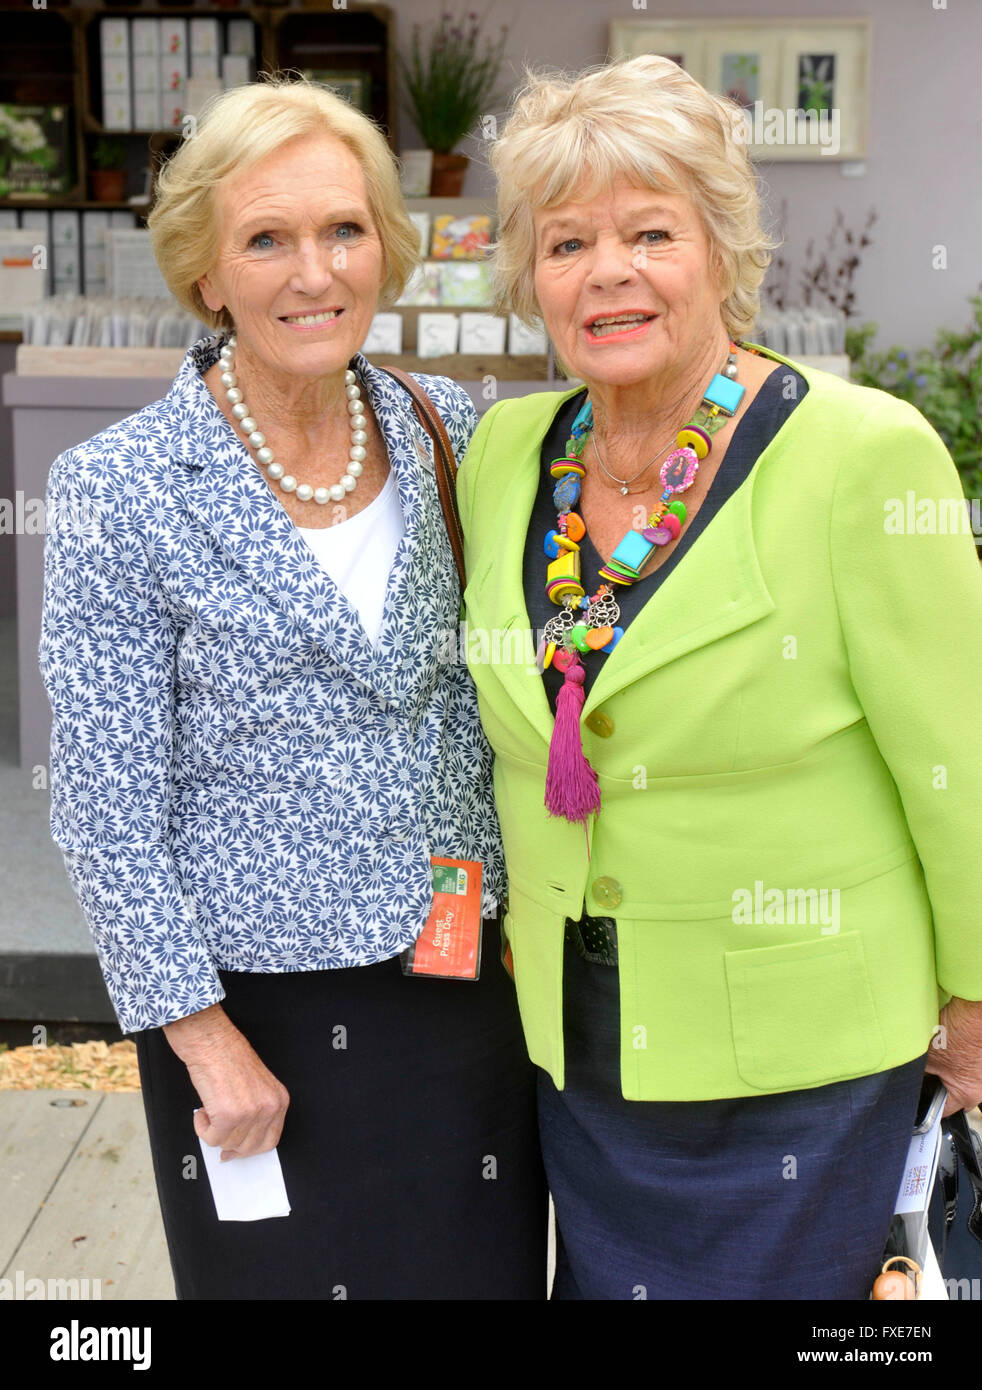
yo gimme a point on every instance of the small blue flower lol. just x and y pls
(920, 381)
(902, 356)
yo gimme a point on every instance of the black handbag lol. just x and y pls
(955, 1213)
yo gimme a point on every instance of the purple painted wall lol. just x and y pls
(924, 169)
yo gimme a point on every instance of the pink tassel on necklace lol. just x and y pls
(571, 783)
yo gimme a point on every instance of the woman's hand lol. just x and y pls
(956, 1053)
(243, 1104)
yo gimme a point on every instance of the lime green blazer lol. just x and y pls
(796, 709)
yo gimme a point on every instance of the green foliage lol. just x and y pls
(943, 382)
(44, 158)
(108, 154)
(451, 80)
(815, 84)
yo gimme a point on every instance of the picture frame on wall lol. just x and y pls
(744, 64)
(354, 86)
(825, 69)
(683, 41)
(804, 87)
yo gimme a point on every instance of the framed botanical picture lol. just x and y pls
(743, 64)
(825, 75)
(739, 72)
(683, 41)
(804, 87)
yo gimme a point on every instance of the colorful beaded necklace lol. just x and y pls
(590, 623)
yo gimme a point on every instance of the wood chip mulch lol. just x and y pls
(88, 1066)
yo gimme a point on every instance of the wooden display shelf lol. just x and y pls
(54, 56)
(468, 366)
(42, 204)
(93, 127)
(98, 361)
(89, 54)
(39, 66)
(357, 38)
(164, 362)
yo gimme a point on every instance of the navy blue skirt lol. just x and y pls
(785, 1196)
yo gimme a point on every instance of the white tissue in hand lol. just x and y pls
(245, 1189)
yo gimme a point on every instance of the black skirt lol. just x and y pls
(410, 1153)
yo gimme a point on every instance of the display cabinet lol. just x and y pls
(56, 58)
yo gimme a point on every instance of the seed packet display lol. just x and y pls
(460, 238)
(449, 946)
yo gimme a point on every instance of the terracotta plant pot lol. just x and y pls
(447, 178)
(108, 185)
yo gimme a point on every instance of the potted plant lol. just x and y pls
(108, 173)
(451, 79)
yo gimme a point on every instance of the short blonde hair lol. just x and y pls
(645, 119)
(235, 131)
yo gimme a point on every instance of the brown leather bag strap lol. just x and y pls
(446, 464)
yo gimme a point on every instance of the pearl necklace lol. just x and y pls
(247, 423)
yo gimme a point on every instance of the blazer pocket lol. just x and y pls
(802, 1014)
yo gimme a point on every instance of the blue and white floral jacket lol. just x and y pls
(240, 779)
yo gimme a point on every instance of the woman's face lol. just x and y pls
(297, 239)
(628, 251)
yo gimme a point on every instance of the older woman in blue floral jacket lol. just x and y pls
(258, 745)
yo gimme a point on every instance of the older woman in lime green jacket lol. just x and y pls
(742, 872)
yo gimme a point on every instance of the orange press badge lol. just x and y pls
(450, 943)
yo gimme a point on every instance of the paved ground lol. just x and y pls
(78, 1195)
(79, 1200)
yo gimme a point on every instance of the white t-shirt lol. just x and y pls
(358, 553)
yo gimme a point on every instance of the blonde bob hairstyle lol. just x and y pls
(235, 131)
(644, 119)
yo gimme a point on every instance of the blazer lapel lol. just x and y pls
(226, 492)
(496, 590)
(716, 588)
(422, 596)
